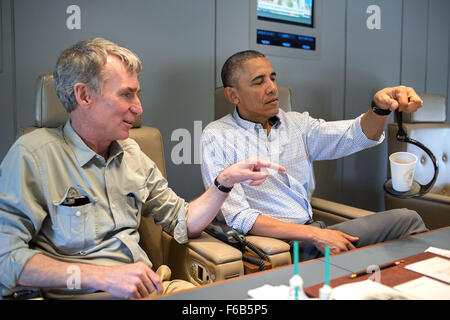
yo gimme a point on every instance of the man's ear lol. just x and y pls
(82, 94)
(231, 95)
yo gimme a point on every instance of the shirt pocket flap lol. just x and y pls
(140, 194)
(74, 196)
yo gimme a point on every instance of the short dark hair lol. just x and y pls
(231, 66)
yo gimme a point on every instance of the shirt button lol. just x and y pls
(113, 206)
(78, 213)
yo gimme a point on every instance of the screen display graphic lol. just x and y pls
(298, 12)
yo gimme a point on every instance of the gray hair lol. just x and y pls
(233, 64)
(84, 63)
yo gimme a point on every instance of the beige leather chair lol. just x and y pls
(427, 126)
(201, 260)
(327, 211)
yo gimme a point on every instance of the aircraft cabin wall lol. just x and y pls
(183, 45)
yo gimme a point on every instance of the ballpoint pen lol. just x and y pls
(383, 266)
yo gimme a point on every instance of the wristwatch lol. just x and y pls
(221, 187)
(379, 111)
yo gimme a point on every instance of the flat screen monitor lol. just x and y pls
(299, 12)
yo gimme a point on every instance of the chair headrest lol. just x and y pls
(223, 107)
(49, 111)
(433, 110)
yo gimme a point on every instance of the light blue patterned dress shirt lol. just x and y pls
(295, 141)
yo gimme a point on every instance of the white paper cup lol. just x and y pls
(402, 170)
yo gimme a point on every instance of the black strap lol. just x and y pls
(402, 136)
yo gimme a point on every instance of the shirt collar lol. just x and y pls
(83, 153)
(275, 120)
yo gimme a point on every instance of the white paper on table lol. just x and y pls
(439, 251)
(426, 289)
(368, 290)
(268, 292)
(438, 268)
(282, 292)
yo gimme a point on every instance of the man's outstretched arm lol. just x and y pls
(203, 209)
(403, 98)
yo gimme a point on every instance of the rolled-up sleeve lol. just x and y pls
(237, 212)
(21, 212)
(167, 209)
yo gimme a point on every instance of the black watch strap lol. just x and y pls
(379, 111)
(221, 187)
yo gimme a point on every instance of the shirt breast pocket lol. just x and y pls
(75, 227)
(134, 200)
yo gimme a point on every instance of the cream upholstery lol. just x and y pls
(324, 210)
(427, 126)
(203, 259)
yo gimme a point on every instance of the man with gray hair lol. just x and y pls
(71, 197)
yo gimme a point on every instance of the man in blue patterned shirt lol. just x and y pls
(280, 206)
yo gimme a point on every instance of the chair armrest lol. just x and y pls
(213, 249)
(278, 251)
(332, 212)
(269, 246)
(436, 197)
(432, 207)
(203, 260)
(200, 261)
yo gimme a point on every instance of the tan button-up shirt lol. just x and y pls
(59, 197)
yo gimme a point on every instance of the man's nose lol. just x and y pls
(272, 87)
(136, 106)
